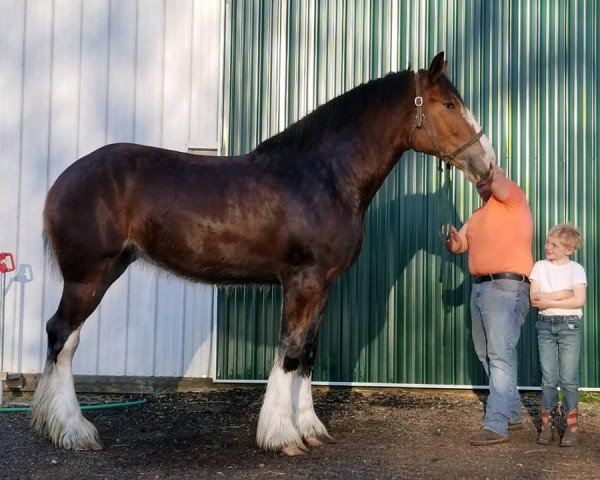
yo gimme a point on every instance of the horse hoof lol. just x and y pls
(80, 445)
(318, 441)
(294, 450)
(84, 437)
(92, 446)
(313, 442)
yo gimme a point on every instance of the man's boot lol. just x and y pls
(546, 436)
(571, 435)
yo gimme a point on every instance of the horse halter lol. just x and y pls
(420, 123)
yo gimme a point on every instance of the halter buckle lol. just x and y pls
(418, 101)
(420, 117)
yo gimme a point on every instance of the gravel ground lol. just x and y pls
(380, 434)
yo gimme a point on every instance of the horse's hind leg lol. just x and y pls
(55, 411)
(283, 421)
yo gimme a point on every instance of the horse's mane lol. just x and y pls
(339, 112)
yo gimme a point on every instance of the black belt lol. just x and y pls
(501, 276)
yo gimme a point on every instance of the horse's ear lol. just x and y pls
(437, 67)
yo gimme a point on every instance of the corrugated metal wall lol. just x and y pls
(75, 75)
(527, 70)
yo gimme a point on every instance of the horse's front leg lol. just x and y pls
(287, 415)
(310, 428)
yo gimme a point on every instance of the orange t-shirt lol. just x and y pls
(500, 234)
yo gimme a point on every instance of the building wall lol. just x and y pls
(76, 75)
(528, 72)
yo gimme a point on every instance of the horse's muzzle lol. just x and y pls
(479, 169)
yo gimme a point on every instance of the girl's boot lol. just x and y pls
(571, 435)
(546, 436)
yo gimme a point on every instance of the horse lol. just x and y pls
(289, 212)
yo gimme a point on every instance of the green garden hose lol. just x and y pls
(84, 407)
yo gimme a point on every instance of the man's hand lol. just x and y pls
(454, 242)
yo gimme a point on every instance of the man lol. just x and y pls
(498, 238)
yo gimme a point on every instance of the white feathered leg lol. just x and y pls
(276, 430)
(55, 411)
(310, 428)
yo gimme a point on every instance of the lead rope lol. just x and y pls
(445, 212)
(444, 266)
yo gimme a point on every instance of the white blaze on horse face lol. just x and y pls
(489, 154)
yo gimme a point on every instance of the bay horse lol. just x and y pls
(289, 212)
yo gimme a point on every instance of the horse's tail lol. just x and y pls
(49, 255)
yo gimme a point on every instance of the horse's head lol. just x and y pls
(445, 127)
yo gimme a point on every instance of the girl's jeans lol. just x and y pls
(559, 343)
(498, 310)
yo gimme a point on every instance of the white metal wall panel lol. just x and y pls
(76, 75)
(11, 84)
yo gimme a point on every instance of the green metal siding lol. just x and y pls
(527, 70)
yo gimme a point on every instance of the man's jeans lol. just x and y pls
(559, 343)
(498, 310)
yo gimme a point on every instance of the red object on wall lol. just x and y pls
(4, 266)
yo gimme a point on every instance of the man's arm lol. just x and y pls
(457, 240)
(499, 183)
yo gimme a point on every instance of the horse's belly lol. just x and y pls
(215, 262)
(219, 273)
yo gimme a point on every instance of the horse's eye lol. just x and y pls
(449, 105)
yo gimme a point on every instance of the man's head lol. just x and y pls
(484, 189)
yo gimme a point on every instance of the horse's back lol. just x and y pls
(215, 219)
(119, 175)
(201, 217)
